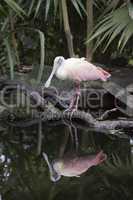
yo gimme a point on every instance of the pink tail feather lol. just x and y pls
(105, 74)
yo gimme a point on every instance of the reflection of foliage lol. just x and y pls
(118, 167)
(29, 175)
(118, 176)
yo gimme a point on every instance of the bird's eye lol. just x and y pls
(59, 61)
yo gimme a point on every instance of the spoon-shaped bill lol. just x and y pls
(54, 176)
(48, 82)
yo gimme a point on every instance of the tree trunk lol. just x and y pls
(67, 30)
(89, 8)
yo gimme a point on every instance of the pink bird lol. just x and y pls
(73, 166)
(77, 70)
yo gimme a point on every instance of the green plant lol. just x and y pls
(116, 24)
(13, 17)
(59, 8)
(8, 10)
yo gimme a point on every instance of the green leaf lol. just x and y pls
(2, 11)
(96, 4)
(76, 6)
(10, 59)
(56, 4)
(130, 9)
(100, 30)
(14, 6)
(4, 25)
(48, 2)
(102, 38)
(82, 6)
(127, 33)
(31, 7)
(42, 55)
(116, 31)
(38, 7)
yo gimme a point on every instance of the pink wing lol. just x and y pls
(107, 74)
(82, 70)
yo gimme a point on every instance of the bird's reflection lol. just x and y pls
(71, 164)
(73, 133)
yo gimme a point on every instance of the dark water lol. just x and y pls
(24, 173)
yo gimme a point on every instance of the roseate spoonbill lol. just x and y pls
(73, 166)
(77, 70)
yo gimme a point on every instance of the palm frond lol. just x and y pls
(79, 7)
(115, 24)
(126, 35)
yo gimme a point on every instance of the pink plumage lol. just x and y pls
(77, 70)
(76, 165)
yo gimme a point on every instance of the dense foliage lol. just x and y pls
(24, 23)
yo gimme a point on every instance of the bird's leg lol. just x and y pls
(77, 95)
(74, 106)
(72, 102)
(75, 137)
(71, 105)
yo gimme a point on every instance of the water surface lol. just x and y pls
(25, 174)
